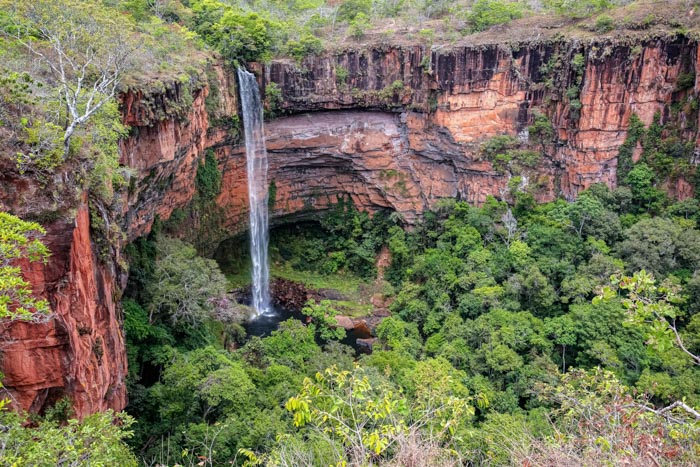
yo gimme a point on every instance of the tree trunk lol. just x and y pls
(66, 139)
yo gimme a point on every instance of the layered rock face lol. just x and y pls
(452, 100)
(79, 353)
(400, 128)
(389, 127)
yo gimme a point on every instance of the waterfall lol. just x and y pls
(256, 159)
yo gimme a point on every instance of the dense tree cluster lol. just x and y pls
(495, 324)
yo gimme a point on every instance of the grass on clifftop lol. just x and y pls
(633, 21)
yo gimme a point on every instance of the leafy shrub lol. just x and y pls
(578, 8)
(487, 13)
(208, 178)
(572, 92)
(308, 44)
(578, 62)
(685, 81)
(45, 142)
(541, 131)
(96, 440)
(273, 99)
(186, 288)
(604, 23)
(351, 9)
(243, 36)
(359, 25)
(635, 132)
(341, 74)
(16, 90)
(322, 316)
(20, 240)
(499, 144)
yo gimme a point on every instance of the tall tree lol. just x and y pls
(86, 52)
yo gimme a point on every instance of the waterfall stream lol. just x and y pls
(256, 159)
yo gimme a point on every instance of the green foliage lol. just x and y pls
(351, 9)
(239, 35)
(580, 213)
(578, 63)
(16, 90)
(20, 240)
(499, 144)
(308, 44)
(399, 336)
(685, 81)
(104, 173)
(647, 198)
(541, 131)
(341, 75)
(45, 147)
(491, 302)
(359, 25)
(578, 8)
(96, 440)
(187, 288)
(367, 419)
(322, 316)
(660, 246)
(348, 240)
(635, 133)
(293, 344)
(271, 195)
(208, 178)
(486, 13)
(243, 36)
(652, 307)
(605, 420)
(273, 99)
(85, 52)
(604, 23)
(220, 385)
(506, 155)
(664, 148)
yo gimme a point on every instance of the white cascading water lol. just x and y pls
(256, 158)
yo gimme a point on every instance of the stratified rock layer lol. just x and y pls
(79, 353)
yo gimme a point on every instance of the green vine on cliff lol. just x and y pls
(666, 150)
(273, 100)
(272, 195)
(208, 178)
(635, 132)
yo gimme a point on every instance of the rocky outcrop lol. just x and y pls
(389, 127)
(79, 353)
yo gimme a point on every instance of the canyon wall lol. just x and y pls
(79, 353)
(402, 127)
(390, 127)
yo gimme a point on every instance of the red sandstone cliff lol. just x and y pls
(80, 352)
(401, 131)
